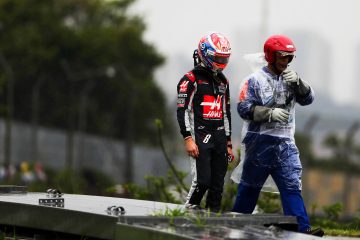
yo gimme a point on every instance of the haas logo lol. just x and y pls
(183, 86)
(212, 107)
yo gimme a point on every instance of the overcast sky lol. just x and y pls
(175, 27)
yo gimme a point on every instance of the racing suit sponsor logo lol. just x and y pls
(243, 92)
(266, 94)
(267, 89)
(184, 86)
(203, 82)
(182, 95)
(222, 88)
(212, 107)
(191, 76)
(181, 102)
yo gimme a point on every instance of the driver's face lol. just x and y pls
(282, 62)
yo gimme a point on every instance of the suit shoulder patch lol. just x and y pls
(190, 75)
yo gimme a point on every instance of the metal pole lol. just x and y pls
(35, 118)
(348, 149)
(10, 105)
(129, 129)
(70, 131)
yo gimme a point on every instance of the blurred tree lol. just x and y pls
(57, 49)
(344, 151)
(304, 142)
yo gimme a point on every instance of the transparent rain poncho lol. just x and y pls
(255, 61)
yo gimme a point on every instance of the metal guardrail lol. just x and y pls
(86, 216)
(57, 220)
(226, 220)
(12, 189)
(203, 226)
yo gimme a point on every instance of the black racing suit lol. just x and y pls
(203, 112)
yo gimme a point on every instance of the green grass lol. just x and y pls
(168, 212)
(342, 232)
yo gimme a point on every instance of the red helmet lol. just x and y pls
(278, 43)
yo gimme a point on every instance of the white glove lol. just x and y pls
(279, 115)
(290, 76)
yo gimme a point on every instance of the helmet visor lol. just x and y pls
(284, 53)
(219, 59)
